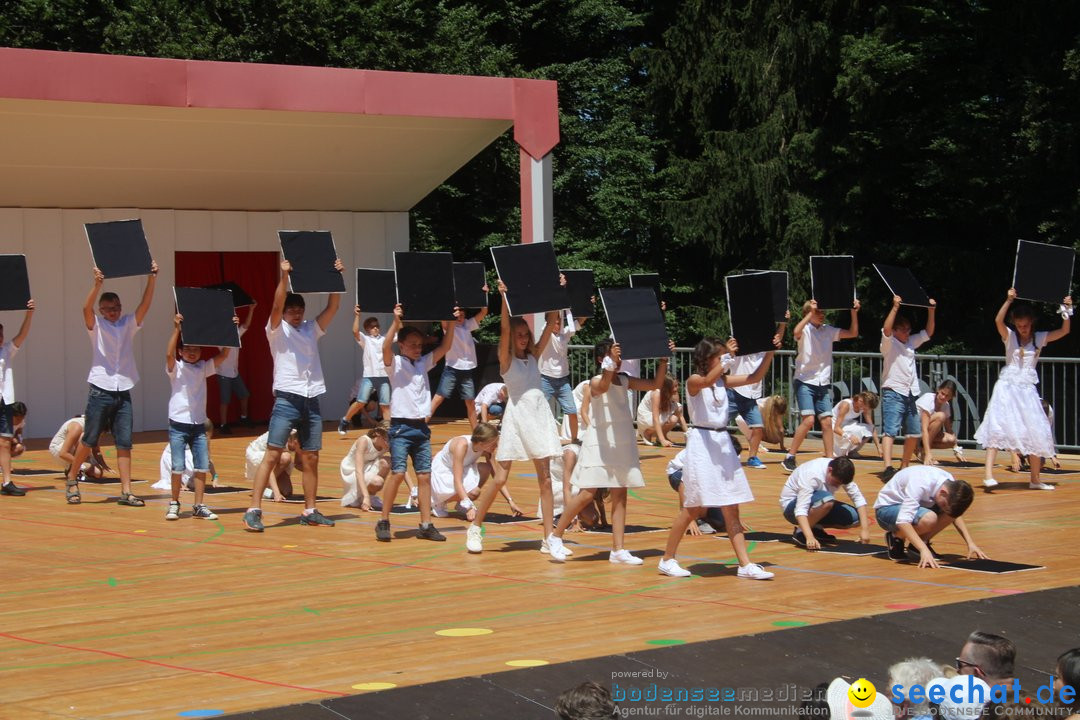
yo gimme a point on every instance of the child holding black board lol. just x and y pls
(900, 383)
(7, 400)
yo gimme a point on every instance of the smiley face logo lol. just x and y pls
(862, 693)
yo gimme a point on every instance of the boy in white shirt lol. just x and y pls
(917, 504)
(813, 375)
(374, 379)
(900, 384)
(7, 398)
(230, 383)
(457, 374)
(298, 383)
(555, 367)
(187, 417)
(491, 400)
(808, 501)
(112, 375)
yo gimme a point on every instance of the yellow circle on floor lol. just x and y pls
(140, 531)
(463, 632)
(289, 546)
(374, 686)
(527, 663)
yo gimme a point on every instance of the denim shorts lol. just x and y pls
(453, 379)
(185, 435)
(886, 516)
(295, 412)
(227, 386)
(898, 412)
(840, 515)
(813, 399)
(379, 385)
(559, 388)
(675, 480)
(496, 409)
(747, 407)
(410, 438)
(7, 420)
(105, 408)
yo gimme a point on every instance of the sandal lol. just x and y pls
(71, 492)
(129, 500)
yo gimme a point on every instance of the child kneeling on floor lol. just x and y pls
(808, 502)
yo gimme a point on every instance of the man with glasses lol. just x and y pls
(989, 657)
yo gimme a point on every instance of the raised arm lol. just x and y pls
(88, 306)
(545, 334)
(174, 339)
(886, 327)
(282, 289)
(930, 315)
(447, 340)
(147, 296)
(223, 353)
(853, 327)
(332, 303)
(696, 383)
(600, 384)
(657, 382)
(1002, 313)
(479, 317)
(249, 318)
(24, 329)
(505, 354)
(801, 325)
(388, 344)
(1066, 321)
(356, 331)
(756, 376)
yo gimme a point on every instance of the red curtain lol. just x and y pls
(257, 273)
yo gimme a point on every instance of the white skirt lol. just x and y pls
(854, 435)
(1015, 419)
(713, 476)
(442, 483)
(352, 490)
(528, 430)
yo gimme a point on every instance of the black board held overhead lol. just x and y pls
(1043, 272)
(636, 322)
(832, 281)
(469, 281)
(531, 275)
(376, 290)
(208, 317)
(581, 286)
(14, 283)
(312, 255)
(119, 248)
(902, 282)
(781, 300)
(649, 280)
(425, 285)
(750, 305)
(239, 296)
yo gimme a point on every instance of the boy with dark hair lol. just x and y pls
(917, 504)
(900, 384)
(8, 406)
(588, 701)
(808, 502)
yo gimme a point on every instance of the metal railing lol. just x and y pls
(974, 375)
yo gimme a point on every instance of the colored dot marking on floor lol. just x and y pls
(201, 713)
(374, 686)
(526, 663)
(463, 632)
(139, 531)
(903, 606)
(666, 641)
(789, 623)
(289, 546)
(112, 582)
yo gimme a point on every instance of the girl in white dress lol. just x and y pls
(659, 412)
(712, 474)
(935, 418)
(461, 468)
(366, 461)
(1014, 419)
(528, 430)
(608, 457)
(853, 423)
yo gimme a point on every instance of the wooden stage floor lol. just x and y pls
(109, 611)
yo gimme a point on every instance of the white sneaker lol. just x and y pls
(623, 557)
(414, 499)
(1041, 486)
(555, 548)
(753, 571)
(705, 528)
(173, 513)
(671, 567)
(989, 483)
(958, 452)
(474, 539)
(439, 511)
(565, 549)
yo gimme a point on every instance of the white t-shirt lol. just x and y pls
(676, 463)
(926, 402)
(187, 403)
(113, 364)
(807, 478)
(7, 383)
(373, 359)
(554, 362)
(912, 488)
(813, 361)
(745, 365)
(489, 394)
(462, 352)
(410, 394)
(898, 370)
(230, 366)
(297, 367)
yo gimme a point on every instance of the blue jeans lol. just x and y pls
(295, 412)
(7, 420)
(496, 409)
(747, 407)
(409, 438)
(886, 516)
(105, 408)
(559, 388)
(899, 413)
(840, 515)
(813, 399)
(185, 435)
(453, 379)
(379, 385)
(229, 385)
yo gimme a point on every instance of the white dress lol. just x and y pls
(712, 475)
(854, 429)
(1014, 419)
(528, 430)
(609, 456)
(370, 470)
(645, 415)
(442, 472)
